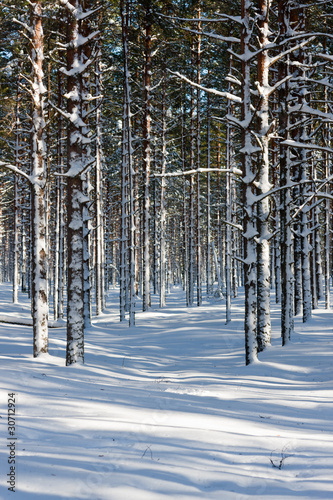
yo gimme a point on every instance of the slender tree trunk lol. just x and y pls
(328, 205)
(100, 257)
(75, 196)
(191, 244)
(198, 152)
(185, 211)
(209, 229)
(286, 242)
(228, 201)
(163, 262)
(304, 230)
(249, 226)
(16, 190)
(124, 222)
(327, 235)
(39, 296)
(16, 242)
(147, 159)
(129, 166)
(59, 260)
(263, 185)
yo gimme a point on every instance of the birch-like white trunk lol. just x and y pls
(77, 160)
(16, 239)
(59, 223)
(16, 190)
(128, 150)
(147, 159)
(286, 239)
(185, 211)
(228, 201)
(163, 263)
(304, 223)
(39, 287)
(98, 190)
(191, 218)
(327, 236)
(123, 223)
(249, 218)
(198, 153)
(263, 185)
(209, 229)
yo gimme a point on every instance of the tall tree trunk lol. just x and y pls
(209, 229)
(228, 201)
(185, 206)
(147, 159)
(100, 257)
(198, 152)
(87, 161)
(16, 190)
(39, 296)
(191, 244)
(286, 242)
(163, 263)
(249, 225)
(75, 197)
(263, 185)
(16, 240)
(124, 223)
(304, 229)
(128, 167)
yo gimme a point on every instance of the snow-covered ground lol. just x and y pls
(168, 410)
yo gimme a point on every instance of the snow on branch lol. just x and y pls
(303, 108)
(78, 69)
(227, 95)
(223, 17)
(230, 39)
(328, 57)
(289, 51)
(236, 19)
(25, 25)
(190, 20)
(199, 171)
(77, 13)
(304, 145)
(278, 84)
(307, 5)
(73, 117)
(249, 55)
(236, 226)
(16, 170)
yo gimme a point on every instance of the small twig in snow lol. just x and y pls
(151, 453)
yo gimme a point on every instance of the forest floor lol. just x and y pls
(167, 410)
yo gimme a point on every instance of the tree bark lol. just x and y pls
(249, 223)
(39, 296)
(147, 159)
(263, 185)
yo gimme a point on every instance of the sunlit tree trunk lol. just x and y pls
(100, 257)
(286, 240)
(209, 229)
(39, 287)
(163, 262)
(129, 172)
(198, 152)
(249, 221)
(78, 164)
(147, 158)
(263, 184)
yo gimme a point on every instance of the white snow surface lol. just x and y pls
(167, 409)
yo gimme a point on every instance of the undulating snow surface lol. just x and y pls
(168, 410)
